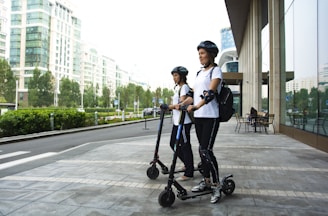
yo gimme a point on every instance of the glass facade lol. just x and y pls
(227, 40)
(305, 55)
(15, 41)
(36, 33)
(16, 5)
(3, 30)
(37, 46)
(231, 66)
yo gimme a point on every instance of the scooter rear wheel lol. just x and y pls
(229, 187)
(152, 172)
(166, 198)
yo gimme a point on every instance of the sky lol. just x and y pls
(151, 37)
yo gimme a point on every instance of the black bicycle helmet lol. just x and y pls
(180, 70)
(210, 47)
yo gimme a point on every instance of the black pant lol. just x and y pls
(206, 131)
(185, 153)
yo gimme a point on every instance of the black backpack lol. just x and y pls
(225, 101)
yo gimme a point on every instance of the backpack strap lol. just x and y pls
(189, 114)
(210, 71)
(216, 92)
(180, 90)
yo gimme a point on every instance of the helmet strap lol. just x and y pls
(210, 61)
(206, 65)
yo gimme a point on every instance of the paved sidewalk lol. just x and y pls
(274, 175)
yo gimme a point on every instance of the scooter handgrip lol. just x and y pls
(164, 106)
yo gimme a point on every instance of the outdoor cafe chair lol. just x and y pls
(266, 121)
(241, 121)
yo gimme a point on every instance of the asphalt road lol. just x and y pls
(42, 147)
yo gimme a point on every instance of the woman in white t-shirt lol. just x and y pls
(206, 114)
(180, 93)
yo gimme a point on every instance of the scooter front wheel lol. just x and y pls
(166, 198)
(152, 172)
(228, 187)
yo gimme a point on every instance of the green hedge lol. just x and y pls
(21, 122)
(28, 121)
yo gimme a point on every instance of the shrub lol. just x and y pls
(22, 122)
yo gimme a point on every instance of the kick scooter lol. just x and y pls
(167, 197)
(153, 171)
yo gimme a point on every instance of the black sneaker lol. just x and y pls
(202, 186)
(216, 194)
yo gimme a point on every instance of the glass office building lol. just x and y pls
(42, 35)
(296, 53)
(3, 29)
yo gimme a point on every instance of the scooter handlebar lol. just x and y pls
(166, 107)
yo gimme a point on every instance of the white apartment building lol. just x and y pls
(304, 83)
(97, 70)
(323, 77)
(109, 74)
(122, 77)
(3, 29)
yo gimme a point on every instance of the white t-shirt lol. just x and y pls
(176, 113)
(202, 83)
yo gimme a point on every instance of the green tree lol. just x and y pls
(167, 95)
(96, 98)
(148, 98)
(140, 94)
(123, 96)
(7, 82)
(41, 89)
(302, 99)
(313, 100)
(69, 93)
(323, 96)
(89, 96)
(265, 104)
(131, 90)
(105, 96)
(158, 95)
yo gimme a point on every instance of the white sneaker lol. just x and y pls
(184, 178)
(202, 186)
(216, 194)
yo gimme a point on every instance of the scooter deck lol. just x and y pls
(177, 171)
(191, 195)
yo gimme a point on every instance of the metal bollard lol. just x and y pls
(145, 124)
(96, 118)
(52, 121)
(123, 116)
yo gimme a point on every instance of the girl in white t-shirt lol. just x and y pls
(180, 93)
(206, 114)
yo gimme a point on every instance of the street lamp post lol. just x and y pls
(82, 93)
(138, 107)
(56, 90)
(118, 106)
(16, 100)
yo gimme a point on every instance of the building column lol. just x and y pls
(250, 60)
(274, 74)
